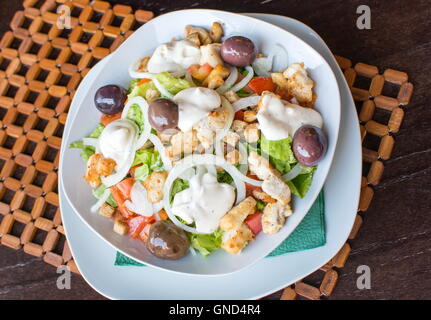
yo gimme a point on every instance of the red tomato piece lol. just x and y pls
(254, 222)
(239, 115)
(125, 187)
(136, 225)
(107, 119)
(143, 235)
(260, 84)
(120, 199)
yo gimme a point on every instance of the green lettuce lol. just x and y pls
(136, 90)
(282, 158)
(148, 161)
(178, 186)
(98, 192)
(87, 151)
(224, 177)
(171, 84)
(206, 243)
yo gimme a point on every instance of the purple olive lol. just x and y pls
(238, 51)
(309, 145)
(110, 99)
(163, 114)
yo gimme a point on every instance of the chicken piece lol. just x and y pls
(236, 216)
(238, 126)
(263, 196)
(274, 217)
(277, 189)
(120, 227)
(217, 119)
(204, 134)
(154, 185)
(184, 142)
(250, 116)
(106, 210)
(233, 157)
(231, 96)
(234, 241)
(252, 133)
(151, 94)
(216, 77)
(299, 83)
(204, 36)
(98, 166)
(210, 54)
(143, 63)
(216, 32)
(231, 138)
(260, 166)
(279, 79)
(194, 37)
(105, 166)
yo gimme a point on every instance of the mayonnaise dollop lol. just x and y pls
(280, 119)
(116, 141)
(205, 202)
(194, 104)
(175, 57)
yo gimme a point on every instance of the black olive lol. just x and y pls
(167, 241)
(110, 99)
(309, 145)
(238, 51)
(163, 114)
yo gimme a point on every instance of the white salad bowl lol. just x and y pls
(142, 43)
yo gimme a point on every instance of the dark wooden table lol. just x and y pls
(395, 238)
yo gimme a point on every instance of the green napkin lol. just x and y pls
(309, 234)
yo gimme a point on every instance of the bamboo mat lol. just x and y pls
(41, 66)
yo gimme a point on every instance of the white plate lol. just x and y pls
(160, 30)
(95, 257)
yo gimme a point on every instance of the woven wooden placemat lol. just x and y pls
(40, 68)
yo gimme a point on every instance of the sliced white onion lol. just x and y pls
(189, 78)
(162, 89)
(231, 115)
(292, 174)
(143, 105)
(157, 206)
(187, 174)
(101, 201)
(279, 53)
(245, 103)
(134, 73)
(243, 161)
(158, 145)
(230, 81)
(262, 66)
(93, 142)
(244, 81)
(116, 177)
(139, 202)
(193, 161)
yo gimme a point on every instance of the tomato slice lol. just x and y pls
(250, 188)
(239, 115)
(125, 187)
(143, 235)
(106, 119)
(260, 84)
(120, 199)
(136, 224)
(254, 222)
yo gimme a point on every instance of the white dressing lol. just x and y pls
(194, 104)
(174, 57)
(205, 202)
(279, 119)
(117, 141)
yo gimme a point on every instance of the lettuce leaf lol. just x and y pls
(135, 114)
(98, 192)
(300, 185)
(88, 151)
(206, 243)
(178, 186)
(136, 90)
(172, 84)
(148, 161)
(224, 177)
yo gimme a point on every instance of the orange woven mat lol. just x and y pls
(40, 68)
